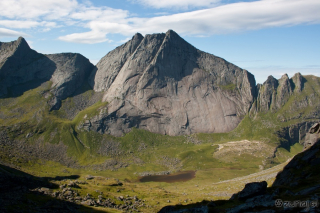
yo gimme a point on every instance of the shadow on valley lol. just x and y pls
(22, 192)
(179, 177)
(70, 177)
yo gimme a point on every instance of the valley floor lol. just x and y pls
(110, 193)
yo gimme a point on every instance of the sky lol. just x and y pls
(265, 37)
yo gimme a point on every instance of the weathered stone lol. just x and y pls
(297, 80)
(88, 203)
(168, 86)
(315, 128)
(267, 93)
(89, 177)
(109, 66)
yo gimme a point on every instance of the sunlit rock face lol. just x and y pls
(163, 84)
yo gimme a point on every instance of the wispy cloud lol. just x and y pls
(91, 37)
(46, 9)
(230, 18)
(17, 24)
(101, 21)
(179, 4)
(11, 33)
(26, 14)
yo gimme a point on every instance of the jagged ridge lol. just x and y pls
(159, 83)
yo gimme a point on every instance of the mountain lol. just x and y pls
(22, 68)
(175, 109)
(163, 84)
(159, 83)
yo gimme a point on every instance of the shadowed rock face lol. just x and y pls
(303, 169)
(16, 64)
(163, 84)
(72, 71)
(22, 68)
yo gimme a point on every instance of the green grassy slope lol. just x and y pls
(139, 150)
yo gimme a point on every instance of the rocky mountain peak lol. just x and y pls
(284, 91)
(109, 66)
(163, 84)
(7, 49)
(22, 42)
(137, 36)
(172, 35)
(298, 82)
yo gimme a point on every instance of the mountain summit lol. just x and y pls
(163, 84)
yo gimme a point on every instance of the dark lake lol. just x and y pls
(177, 177)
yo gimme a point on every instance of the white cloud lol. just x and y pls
(33, 9)
(17, 24)
(101, 21)
(99, 13)
(91, 37)
(181, 4)
(224, 19)
(11, 33)
(237, 17)
(25, 14)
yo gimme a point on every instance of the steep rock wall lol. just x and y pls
(168, 86)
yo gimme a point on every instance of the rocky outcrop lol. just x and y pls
(72, 71)
(273, 94)
(312, 136)
(298, 81)
(302, 169)
(22, 68)
(291, 99)
(297, 133)
(163, 84)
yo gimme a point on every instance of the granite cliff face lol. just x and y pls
(163, 84)
(22, 68)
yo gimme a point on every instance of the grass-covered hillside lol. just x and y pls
(49, 143)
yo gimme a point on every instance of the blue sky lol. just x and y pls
(266, 37)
